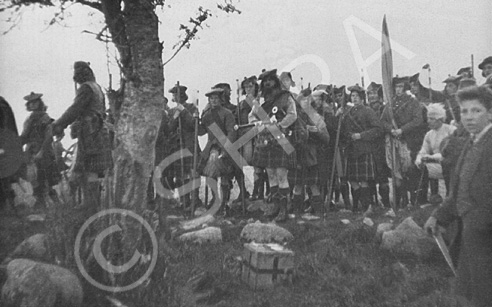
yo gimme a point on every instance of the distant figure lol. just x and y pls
(215, 161)
(486, 67)
(469, 200)
(182, 136)
(429, 155)
(11, 157)
(86, 115)
(361, 130)
(38, 144)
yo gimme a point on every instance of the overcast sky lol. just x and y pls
(318, 40)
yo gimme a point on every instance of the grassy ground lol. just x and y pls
(335, 265)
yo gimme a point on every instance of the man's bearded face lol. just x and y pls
(372, 96)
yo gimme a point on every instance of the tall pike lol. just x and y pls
(387, 77)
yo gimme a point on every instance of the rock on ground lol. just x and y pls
(265, 233)
(209, 234)
(35, 247)
(408, 239)
(381, 229)
(31, 284)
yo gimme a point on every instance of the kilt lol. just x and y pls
(93, 153)
(273, 156)
(304, 176)
(383, 172)
(360, 168)
(217, 165)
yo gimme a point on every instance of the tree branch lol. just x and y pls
(94, 5)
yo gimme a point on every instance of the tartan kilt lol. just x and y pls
(360, 168)
(94, 153)
(382, 170)
(304, 176)
(216, 165)
(273, 156)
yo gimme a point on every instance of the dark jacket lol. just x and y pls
(87, 117)
(224, 120)
(408, 116)
(363, 120)
(187, 133)
(34, 135)
(472, 205)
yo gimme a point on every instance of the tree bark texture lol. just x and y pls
(135, 33)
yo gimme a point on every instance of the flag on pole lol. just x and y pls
(387, 69)
(387, 78)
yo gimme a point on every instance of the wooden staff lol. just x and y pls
(363, 86)
(335, 157)
(180, 128)
(195, 163)
(241, 184)
(472, 68)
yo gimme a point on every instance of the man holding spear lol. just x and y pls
(401, 119)
(182, 125)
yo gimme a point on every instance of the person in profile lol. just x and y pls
(39, 150)
(86, 116)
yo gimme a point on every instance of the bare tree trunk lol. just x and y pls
(135, 33)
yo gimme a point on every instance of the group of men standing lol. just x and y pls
(307, 149)
(42, 162)
(321, 143)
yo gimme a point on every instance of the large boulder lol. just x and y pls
(206, 235)
(265, 233)
(35, 247)
(31, 284)
(409, 239)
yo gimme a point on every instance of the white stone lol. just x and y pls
(36, 217)
(265, 233)
(31, 283)
(206, 235)
(368, 222)
(197, 222)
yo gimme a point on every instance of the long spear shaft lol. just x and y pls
(241, 184)
(387, 74)
(180, 128)
(472, 68)
(334, 163)
(195, 163)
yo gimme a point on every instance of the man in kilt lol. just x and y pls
(361, 129)
(182, 128)
(375, 99)
(308, 172)
(86, 116)
(325, 153)
(250, 89)
(279, 109)
(407, 136)
(39, 149)
(215, 162)
(342, 107)
(240, 113)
